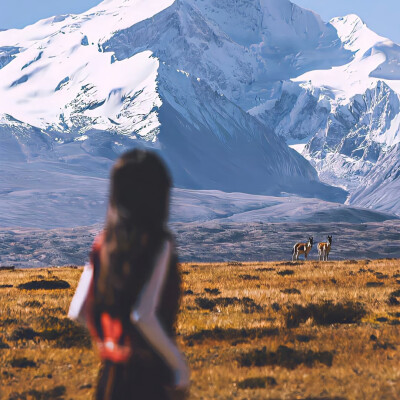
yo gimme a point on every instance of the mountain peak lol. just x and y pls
(354, 33)
(348, 26)
(350, 19)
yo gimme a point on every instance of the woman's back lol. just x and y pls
(135, 289)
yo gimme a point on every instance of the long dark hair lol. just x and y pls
(135, 229)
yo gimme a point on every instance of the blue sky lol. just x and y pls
(380, 15)
(19, 13)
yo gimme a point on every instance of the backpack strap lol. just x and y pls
(144, 317)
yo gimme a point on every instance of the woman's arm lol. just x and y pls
(76, 308)
(144, 317)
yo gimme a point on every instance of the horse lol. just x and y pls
(302, 248)
(324, 248)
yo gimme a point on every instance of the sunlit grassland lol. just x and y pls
(317, 330)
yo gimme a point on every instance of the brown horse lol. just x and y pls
(302, 248)
(324, 248)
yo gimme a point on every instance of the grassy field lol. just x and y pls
(276, 330)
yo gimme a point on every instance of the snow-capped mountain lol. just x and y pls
(346, 120)
(216, 86)
(163, 76)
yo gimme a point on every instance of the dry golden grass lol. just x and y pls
(240, 320)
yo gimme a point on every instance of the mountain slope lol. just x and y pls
(123, 75)
(381, 186)
(345, 118)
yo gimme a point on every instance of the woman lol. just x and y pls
(129, 294)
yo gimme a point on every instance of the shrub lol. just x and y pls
(291, 291)
(247, 277)
(393, 301)
(256, 383)
(33, 304)
(290, 263)
(285, 272)
(249, 305)
(265, 269)
(22, 333)
(45, 285)
(3, 345)
(204, 303)
(65, 333)
(275, 306)
(51, 394)
(374, 284)
(380, 275)
(284, 357)
(232, 334)
(325, 313)
(303, 338)
(22, 363)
